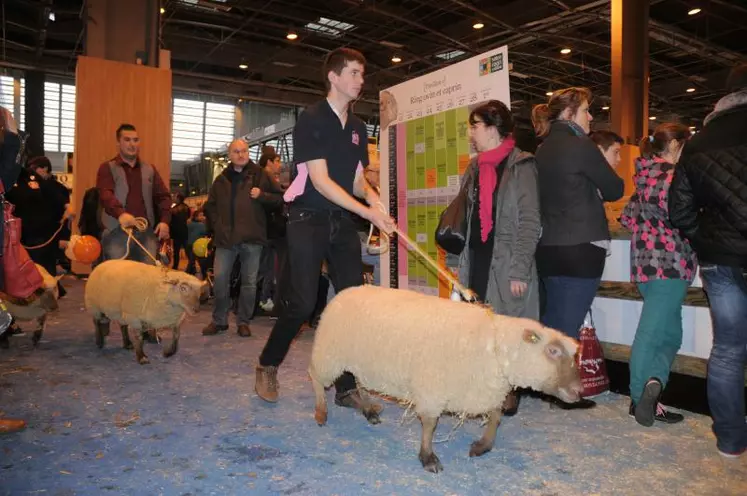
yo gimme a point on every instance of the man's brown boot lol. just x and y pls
(266, 383)
(244, 331)
(8, 426)
(212, 329)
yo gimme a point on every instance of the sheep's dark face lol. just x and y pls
(547, 363)
(186, 294)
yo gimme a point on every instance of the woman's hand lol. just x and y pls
(518, 288)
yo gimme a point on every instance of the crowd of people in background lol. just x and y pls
(537, 230)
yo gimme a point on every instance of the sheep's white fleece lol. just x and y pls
(438, 354)
(133, 294)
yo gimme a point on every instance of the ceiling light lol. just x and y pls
(243, 66)
(163, 11)
(51, 16)
(396, 59)
(605, 108)
(549, 93)
(478, 25)
(291, 36)
(652, 118)
(693, 11)
(692, 128)
(691, 90)
(565, 51)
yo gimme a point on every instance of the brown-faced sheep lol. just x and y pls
(140, 296)
(35, 308)
(439, 355)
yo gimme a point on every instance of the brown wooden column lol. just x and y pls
(123, 31)
(630, 62)
(119, 81)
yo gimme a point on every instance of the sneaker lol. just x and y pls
(266, 383)
(661, 415)
(244, 331)
(267, 305)
(646, 408)
(212, 329)
(727, 454)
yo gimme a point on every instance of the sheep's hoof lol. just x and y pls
(99, 337)
(4, 342)
(36, 337)
(320, 416)
(168, 353)
(127, 345)
(430, 462)
(479, 448)
(372, 416)
(143, 360)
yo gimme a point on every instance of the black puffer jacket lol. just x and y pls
(708, 196)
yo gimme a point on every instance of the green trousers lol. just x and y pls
(659, 333)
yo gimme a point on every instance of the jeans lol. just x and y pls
(567, 301)
(659, 333)
(313, 236)
(249, 257)
(726, 289)
(114, 245)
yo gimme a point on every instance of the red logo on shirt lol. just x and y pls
(356, 139)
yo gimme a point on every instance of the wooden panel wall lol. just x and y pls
(108, 94)
(111, 93)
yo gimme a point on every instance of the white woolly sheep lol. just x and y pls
(35, 308)
(438, 355)
(140, 296)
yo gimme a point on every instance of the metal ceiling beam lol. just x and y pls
(231, 35)
(391, 15)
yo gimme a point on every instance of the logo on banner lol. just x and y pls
(356, 139)
(489, 65)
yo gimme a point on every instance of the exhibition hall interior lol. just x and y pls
(364, 247)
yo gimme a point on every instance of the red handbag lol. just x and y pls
(591, 365)
(22, 278)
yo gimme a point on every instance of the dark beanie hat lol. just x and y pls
(737, 79)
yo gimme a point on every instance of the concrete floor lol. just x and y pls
(99, 423)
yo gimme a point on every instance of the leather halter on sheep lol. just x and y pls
(439, 355)
(141, 296)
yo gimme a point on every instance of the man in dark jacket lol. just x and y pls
(236, 217)
(708, 202)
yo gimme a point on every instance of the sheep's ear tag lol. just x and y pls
(530, 336)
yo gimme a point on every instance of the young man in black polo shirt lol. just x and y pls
(331, 143)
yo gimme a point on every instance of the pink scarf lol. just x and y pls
(488, 165)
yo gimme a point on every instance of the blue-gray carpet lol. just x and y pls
(99, 423)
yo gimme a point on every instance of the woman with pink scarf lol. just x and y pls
(503, 218)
